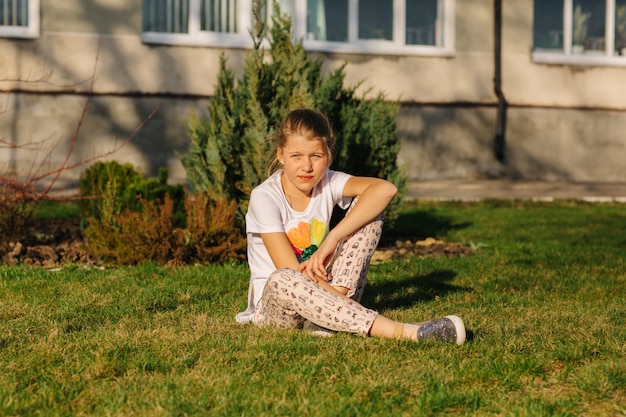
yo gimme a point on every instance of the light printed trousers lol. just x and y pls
(290, 297)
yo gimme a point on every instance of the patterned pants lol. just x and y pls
(290, 297)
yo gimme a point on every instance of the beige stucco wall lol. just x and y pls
(75, 34)
(570, 144)
(46, 128)
(123, 65)
(527, 83)
(446, 124)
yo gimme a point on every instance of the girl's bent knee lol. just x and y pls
(285, 276)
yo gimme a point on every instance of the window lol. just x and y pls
(377, 26)
(19, 18)
(580, 31)
(197, 22)
(359, 26)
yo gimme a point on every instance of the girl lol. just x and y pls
(299, 270)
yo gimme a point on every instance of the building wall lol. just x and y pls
(46, 126)
(564, 122)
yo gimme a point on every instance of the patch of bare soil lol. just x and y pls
(52, 243)
(429, 247)
(48, 243)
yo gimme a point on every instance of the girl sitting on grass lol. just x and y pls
(302, 274)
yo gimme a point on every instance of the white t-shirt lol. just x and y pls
(269, 212)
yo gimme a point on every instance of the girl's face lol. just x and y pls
(304, 162)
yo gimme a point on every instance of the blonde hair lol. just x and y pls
(308, 123)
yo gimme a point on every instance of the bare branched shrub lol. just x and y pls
(39, 179)
(13, 214)
(21, 191)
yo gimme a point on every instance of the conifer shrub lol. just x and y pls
(228, 152)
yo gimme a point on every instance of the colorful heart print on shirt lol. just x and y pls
(307, 237)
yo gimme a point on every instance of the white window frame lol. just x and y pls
(30, 31)
(606, 57)
(241, 39)
(396, 46)
(198, 37)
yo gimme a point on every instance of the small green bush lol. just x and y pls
(125, 189)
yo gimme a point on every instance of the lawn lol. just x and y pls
(543, 295)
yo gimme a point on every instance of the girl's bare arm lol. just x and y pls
(375, 194)
(282, 255)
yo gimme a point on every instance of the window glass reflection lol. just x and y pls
(421, 22)
(548, 24)
(376, 19)
(327, 20)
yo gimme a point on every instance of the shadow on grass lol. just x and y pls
(412, 223)
(416, 224)
(394, 294)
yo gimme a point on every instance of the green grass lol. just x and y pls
(544, 296)
(50, 209)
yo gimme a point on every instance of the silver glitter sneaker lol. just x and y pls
(446, 329)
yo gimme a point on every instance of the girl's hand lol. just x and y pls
(315, 266)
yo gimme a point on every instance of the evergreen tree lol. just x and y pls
(228, 153)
